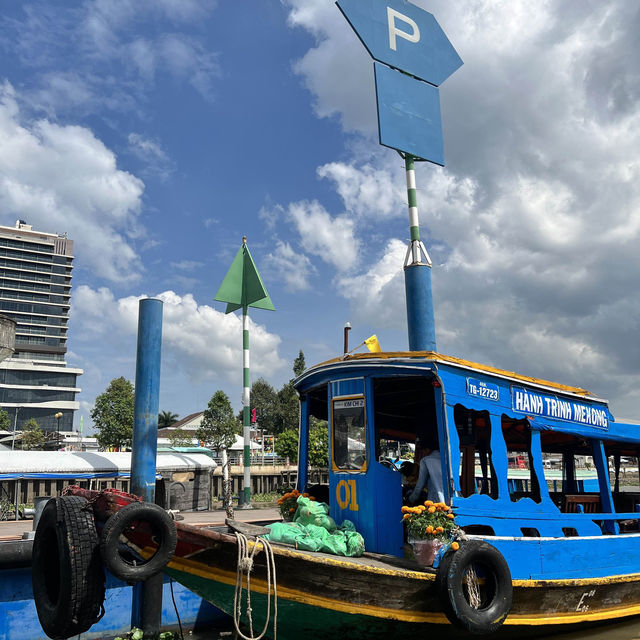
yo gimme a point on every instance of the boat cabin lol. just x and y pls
(492, 428)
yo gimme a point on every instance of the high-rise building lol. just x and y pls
(35, 290)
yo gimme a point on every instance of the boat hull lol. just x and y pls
(367, 597)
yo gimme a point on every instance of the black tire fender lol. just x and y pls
(165, 535)
(496, 592)
(67, 575)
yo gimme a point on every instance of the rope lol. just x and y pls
(245, 566)
(473, 587)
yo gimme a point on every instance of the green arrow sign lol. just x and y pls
(242, 286)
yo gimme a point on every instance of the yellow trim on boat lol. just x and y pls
(229, 578)
(439, 357)
(572, 618)
(579, 582)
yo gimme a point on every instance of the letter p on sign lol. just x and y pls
(414, 36)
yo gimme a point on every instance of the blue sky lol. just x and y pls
(157, 133)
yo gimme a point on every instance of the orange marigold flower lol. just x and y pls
(305, 495)
(450, 516)
(429, 529)
(428, 503)
(439, 529)
(312, 499)
(406, 515)
(420, 508)
(432, 509)
(455, 546)
(405, 510)
(291, 510)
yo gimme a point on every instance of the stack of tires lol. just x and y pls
(68, 554)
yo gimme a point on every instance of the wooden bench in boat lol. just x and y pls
(581, 503)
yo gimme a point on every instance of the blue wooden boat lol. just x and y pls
(530, 558)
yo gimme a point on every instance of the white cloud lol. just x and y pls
(367, 190)
(200, 341)
(339, 89)
(62, 178)
(291, 266)
(187, 265)
(331, 238)
(150, 151)
(110, 34)
(376, 296)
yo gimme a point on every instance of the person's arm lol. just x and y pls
(422, 481)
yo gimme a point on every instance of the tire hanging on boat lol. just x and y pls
(474, 586)
(127, 568)
(67, 575)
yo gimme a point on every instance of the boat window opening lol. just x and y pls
(349, 444)
(477, 474)
(577, 475)
(530, 532)
(404, 412)
(569, 532)
(479, 530)
(522, 479)
(317, 483)
(625, 481)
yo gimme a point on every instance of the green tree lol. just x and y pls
(288, 403)
(32, 436)
(112, 414)
(166, 419)
(219, 426)
(264, 400)
(319, 444)
(288, 408)
(5, 421)
(299, 365)
(287, 445)
(180, 438)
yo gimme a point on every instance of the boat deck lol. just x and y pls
(380, 561)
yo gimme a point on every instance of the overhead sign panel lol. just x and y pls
(409, 115)
(403, 36)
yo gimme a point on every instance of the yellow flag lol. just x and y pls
(372, 344)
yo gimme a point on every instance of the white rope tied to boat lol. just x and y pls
(245, 566)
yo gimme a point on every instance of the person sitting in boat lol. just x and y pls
(409, 471)
(429, 476)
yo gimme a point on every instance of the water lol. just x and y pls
(626, 630)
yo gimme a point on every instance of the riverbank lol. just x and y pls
(14, 529)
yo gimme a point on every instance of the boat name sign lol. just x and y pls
(549, 406)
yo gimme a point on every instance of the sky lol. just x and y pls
(157, 133)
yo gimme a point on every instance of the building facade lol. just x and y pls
(35, 290)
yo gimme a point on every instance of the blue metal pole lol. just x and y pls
(421, 325)
(146, 606)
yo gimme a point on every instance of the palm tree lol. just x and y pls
(166, 419)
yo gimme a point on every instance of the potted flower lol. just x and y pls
(288, 504)
(429, 527)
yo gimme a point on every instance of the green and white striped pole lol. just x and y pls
(242, 288)
(417, 275)
(246, 408)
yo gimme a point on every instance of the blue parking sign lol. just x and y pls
(409, 117)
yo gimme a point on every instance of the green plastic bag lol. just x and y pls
(316, 513)
(314, 530)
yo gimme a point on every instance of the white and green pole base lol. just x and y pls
(246, 410)
(417, 275)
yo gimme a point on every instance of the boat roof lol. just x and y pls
(93, 462)
(433, 356)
